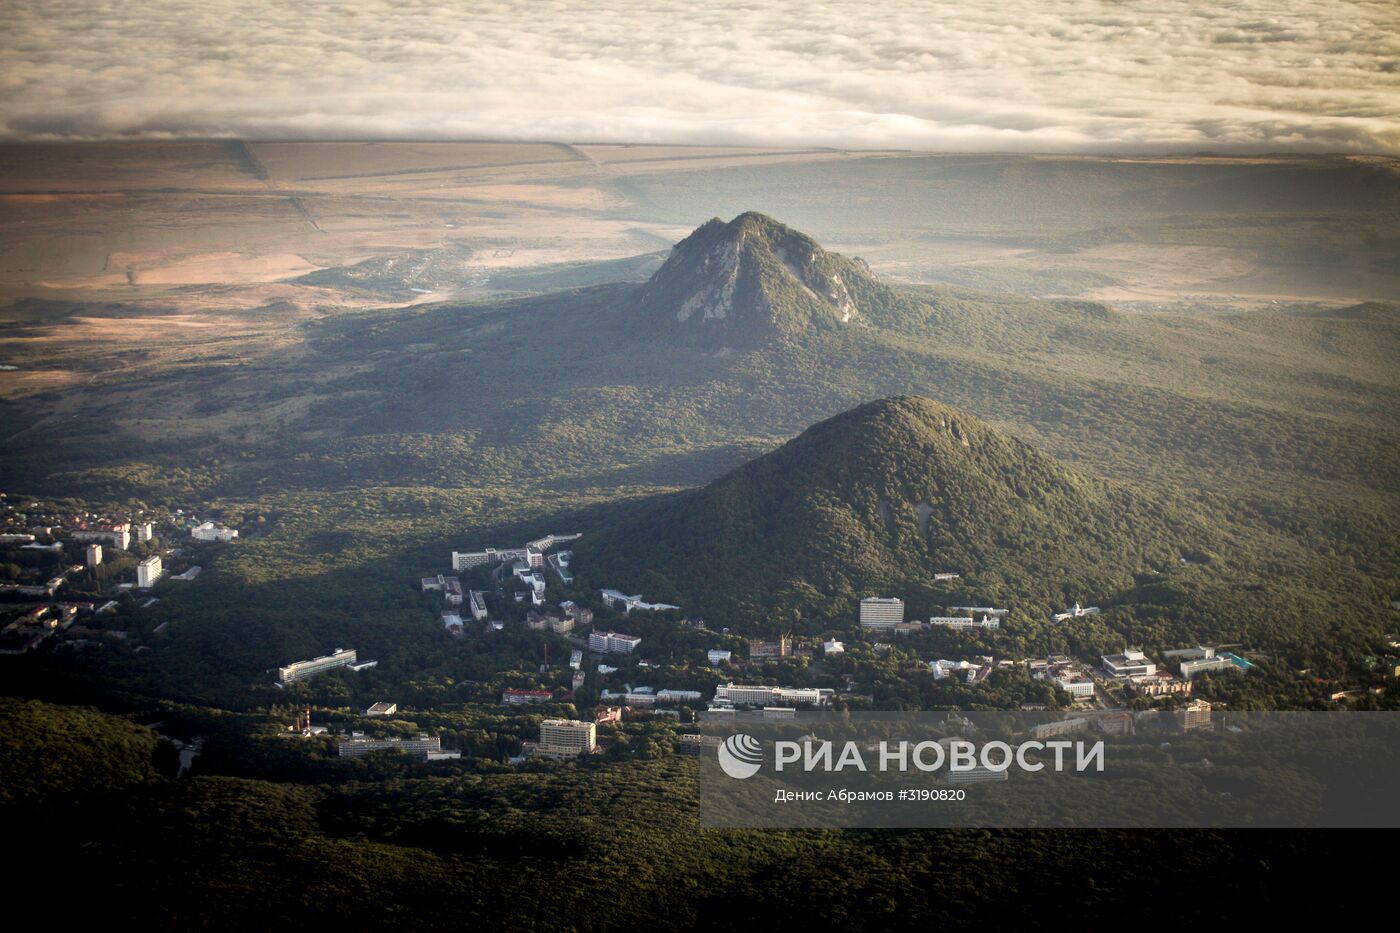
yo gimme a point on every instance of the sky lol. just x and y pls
(972, 75)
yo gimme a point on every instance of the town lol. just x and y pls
(64, 568)
(605, 658)
(604, 666)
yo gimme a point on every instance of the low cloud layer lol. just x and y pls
(1029, 75)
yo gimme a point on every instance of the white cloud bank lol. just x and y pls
(1030, 75)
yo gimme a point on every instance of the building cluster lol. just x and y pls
(1134, 669)
(118, 535)
(525, 573)
(93, 541)
(644, 697)
(449, 587)
(886, 614)
(974, 673)
(567, 738)
(522, 567)
(560, 622)
(1201, 659)
(532, 553)
(30, 630)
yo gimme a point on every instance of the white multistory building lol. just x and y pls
(1076, 612)
(148, 572)
(422, 746)
(300, 670)
(755, 695)
(567, 738)
(944, 667)
(988, 621)
(613, 642)
(1191, 667)
(1080, 688)
(619, 601)
(210, 531)
(881, 612)
(1128, 664)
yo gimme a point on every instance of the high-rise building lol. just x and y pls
(94, 555)
(1194, 715)
(881, 612)
(148, 572)
(567, 738)
(145, 531)
(300, 670)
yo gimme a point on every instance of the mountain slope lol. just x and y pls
(880, 498)
(740, 283)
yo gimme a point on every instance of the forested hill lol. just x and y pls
(879, 499)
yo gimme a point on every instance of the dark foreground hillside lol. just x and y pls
(582, 849)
